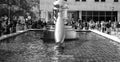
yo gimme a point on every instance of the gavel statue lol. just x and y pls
(59, 24)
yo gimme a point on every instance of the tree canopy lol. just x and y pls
(17, 5)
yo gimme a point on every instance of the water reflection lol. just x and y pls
(59, 54)
(88, 47)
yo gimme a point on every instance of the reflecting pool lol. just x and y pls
(31, 47)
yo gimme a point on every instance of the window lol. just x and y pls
(96, 0)
(65, 0)
(89, 13)
(108, 13)
(95, 13)
(115, 0)
(84, 0)
(77, 0)
(84, 13)
(102, 13)
(99, 15)
(102, 0)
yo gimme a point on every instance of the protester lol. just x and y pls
(1, 27)
(13, 24)
(21, 25)
(91, 24)
(17, 23)
(117, 27)
(98, 25)
(108, 25)
(6, 25)
(28, 22)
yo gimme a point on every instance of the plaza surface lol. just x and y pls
(88, 47)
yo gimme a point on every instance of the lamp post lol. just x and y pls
(39, 10)
(113, 14)
(9, 3)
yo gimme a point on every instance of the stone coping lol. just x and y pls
(24, 31)
(115, 38)
(95, 31)
(12, 34)
(17, 33)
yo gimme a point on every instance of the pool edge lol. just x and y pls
(115, 38)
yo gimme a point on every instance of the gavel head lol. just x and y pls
(58, 4)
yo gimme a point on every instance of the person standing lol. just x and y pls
(28, 22)
(108, 25)
(21, 25)
(6, 25)
(117, 27)
(1, 27)
(14, 23)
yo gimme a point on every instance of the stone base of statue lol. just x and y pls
(70, 33)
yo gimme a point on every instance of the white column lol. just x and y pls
(118, 16)
(80, 14)
(46, 16)
(42, 14)
(65, 14)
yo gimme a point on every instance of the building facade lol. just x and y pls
(97, 10)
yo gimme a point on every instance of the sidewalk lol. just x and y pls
(115, 34)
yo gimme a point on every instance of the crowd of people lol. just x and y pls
(103, 26)
(17, 23)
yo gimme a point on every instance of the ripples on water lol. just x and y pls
(29, 47)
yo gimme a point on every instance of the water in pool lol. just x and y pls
(88, 47)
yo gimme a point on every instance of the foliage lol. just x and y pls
(17, 5)
(24, 4)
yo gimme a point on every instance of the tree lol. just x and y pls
(21, 5)
(24, 4)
